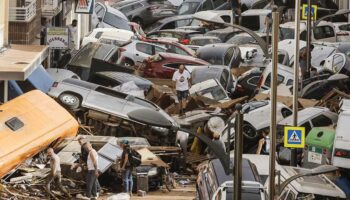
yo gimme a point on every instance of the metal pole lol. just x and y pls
(308, 42)
(273, 97)
(293, 159)
(237, 194)
(6, 92)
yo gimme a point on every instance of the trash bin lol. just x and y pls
(142, 182)
(318, 147)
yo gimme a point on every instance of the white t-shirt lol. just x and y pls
(181, 80)
(90, 164)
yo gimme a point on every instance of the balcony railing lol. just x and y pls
(23, 14)
(51, 8)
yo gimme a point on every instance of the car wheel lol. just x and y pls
(249, 131)
(129, 63)
(138, 20)
(69, 100)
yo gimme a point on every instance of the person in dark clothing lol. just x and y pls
(236, 10)
(126, 167)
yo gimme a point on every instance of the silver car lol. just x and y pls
(76, 94)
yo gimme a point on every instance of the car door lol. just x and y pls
(143, 50)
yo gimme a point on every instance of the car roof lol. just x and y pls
(124, 77)
(304, 115)
(222, 177)
(254, 12)
(182, 57)
(219, 48)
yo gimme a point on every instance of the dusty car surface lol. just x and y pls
(182, 36)
(116, 36)
(211, 89)
(199, 41)
(170, 23)
(220, 54)
(31, 123)
(113, 79)
(77, 94)
(163, 65)
(107, 17)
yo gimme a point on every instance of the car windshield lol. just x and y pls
(116, 21)
(239, 40)
(205, 41)
(188, 8)
(195, 22)
(215, 92)
(287, 33)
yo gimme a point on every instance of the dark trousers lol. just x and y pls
(58, 181)
(91, 184)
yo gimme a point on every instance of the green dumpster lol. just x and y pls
(318, 147)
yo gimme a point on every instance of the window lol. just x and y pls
(251, 22)
(345, 27)
(158, 50)
(280, 79)
(226, 18)
(307, 127)
(98, 35)
(207, 5)
(100, 11)
(260, 4)
(218, 3)
(290, 82)
(183, 22)
(321, 121)
(228, 56)
(303, 36)
(170, 25)
(173, 65)
(116, 21)
(188, 8)
(144, 48)
(223, 78)
(253, 81)
(322, 32)
(338, 62)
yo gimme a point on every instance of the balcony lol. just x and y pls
(51, 8)
(23, 14)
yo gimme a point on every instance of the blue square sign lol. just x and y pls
(294, 137)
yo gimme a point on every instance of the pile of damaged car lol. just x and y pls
(176, 99)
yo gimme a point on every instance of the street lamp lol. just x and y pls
(151, 117)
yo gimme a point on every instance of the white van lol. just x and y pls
(341, 146)
(324, 32)
(113, 36)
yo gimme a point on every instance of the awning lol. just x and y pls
(19, 61)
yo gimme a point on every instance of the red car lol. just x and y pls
(163, 65)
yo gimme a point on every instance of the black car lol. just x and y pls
(170, 23)
(220, 54)
(193, 6)
(113, 79)
(212, 176)
(145, 12)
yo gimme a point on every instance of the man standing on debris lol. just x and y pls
(91, 179)
(182, 83)
(126, 167)
(55, 174)
(236, 10)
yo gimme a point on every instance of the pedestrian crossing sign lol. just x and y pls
(294, 137)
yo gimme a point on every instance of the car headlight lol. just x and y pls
(153, 171)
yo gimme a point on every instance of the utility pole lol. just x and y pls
(293, 159)
(237, 176)
(308, 42)
(273, 102)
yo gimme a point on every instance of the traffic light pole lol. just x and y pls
(237, 169)
(293, 159)
(273, 101)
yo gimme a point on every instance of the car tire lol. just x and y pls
(249, 131)
(129, 63)
(69, 100)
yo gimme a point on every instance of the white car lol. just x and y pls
(211, 89)
(137, 51)
(341, 146)
(114, 36)
(342, 29)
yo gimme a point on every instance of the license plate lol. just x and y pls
(314, 157)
